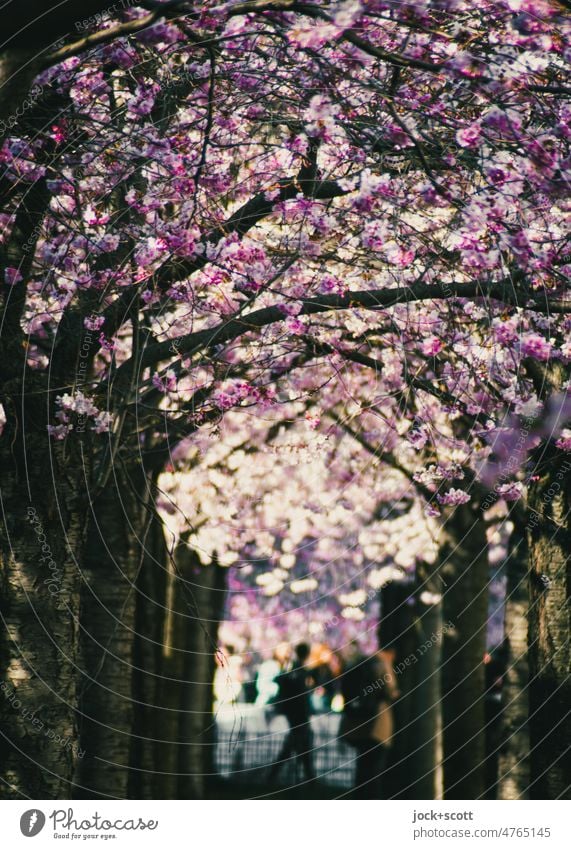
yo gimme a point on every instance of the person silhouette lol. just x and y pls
(368, 685)
(293, 702)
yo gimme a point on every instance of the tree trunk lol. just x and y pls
(41, 533)
(513, 773)
(18, 68)
(397, 631)
(37, 23)
(198, 738)
(424, 729)
(148, 685)
(113, 559)
(549, 537)
(464, 570)
(194, 610)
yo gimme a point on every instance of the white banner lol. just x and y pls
(219, 824)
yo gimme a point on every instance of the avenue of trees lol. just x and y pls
(295, 265)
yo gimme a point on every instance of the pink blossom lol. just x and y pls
(167, 383)
(454, 497)
(142, 104)
(296, 326)
(94, 322)
(418, 437)
(58, 133)
(506, 332)
(106, 344)
(84, 406)
(60, 431)
(467, 65)
(224, 400)
(469, 136)
(375, 235)
(399, 137)
(504, 121)
(398, 255)
(160, 33)
(320, 117)
(77, 403)
(347, 12)
(290, 308)
(564, 441)
(431, 346)
(102, 422)
(535, 346)
(151, 250)
(314, 35)
(332, 285)
(94, 217)
(510, 491)
(313, 420)
(12, 276)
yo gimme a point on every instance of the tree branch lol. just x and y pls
(227, 331)
(246, 217)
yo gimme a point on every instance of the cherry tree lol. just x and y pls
(209, 209)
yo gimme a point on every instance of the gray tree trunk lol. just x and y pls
(549, 536)
(148, 685)
(186, 722)
(425, 725)
(197, 724)
(464, 568)
(41, 535)
(18, 69)
(113, 558)
(397, 631)
(43, 520)
(513, 772)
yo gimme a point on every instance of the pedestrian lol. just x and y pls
(293, 702)
(268, 672)
(369, 687)
(320, 661)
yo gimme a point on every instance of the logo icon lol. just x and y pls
(32, 822)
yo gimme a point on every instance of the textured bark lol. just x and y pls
(424, 729)
(37, 23)
(464, 569)
(196, 754)
(147, 652)
(397, 632)
(113, 558)
(30, 32)
(186, 723)
(44, 510)
(549, 536)
(40, 539)
(513, 773)
(18, 68)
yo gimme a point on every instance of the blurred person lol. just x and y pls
(250, 663)
(368, 686)
(320, 663)
(336, 663)
(268, 671)
(294, 689)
